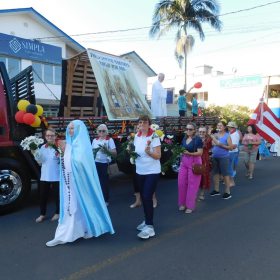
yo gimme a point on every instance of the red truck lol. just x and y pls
(18, 168)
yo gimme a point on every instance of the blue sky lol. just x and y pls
(249, 41)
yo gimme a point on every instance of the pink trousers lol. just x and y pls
(188, 183)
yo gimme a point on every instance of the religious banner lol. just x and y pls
(118, 87)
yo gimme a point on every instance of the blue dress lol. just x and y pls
(83, 212)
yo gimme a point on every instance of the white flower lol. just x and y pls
(163, 173)
(154, 127)
(162, 137)
(165, 149)
(132, 161)
(33, 141)
(170, 136)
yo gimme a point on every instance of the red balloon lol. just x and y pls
(28, 118)
(198, 85)
(19, 116)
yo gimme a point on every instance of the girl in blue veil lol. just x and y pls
(83, 212)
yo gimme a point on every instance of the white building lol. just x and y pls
(28, 38)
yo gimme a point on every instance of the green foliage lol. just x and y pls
(236, 113)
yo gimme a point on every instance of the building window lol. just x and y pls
(47, 73)
(12, 65)
(57, 75)
(50, 110)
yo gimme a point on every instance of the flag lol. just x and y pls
(266, 122)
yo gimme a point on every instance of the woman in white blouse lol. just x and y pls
(102, 159)
(148, 168)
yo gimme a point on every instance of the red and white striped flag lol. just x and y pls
(267, 124)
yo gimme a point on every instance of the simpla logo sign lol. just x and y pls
(29, 49)
(27, 46)
(15, 45)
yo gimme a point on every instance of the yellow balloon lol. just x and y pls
(40, 110)
(22, 104)
(37, 122)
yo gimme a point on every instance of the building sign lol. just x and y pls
(118, 87)
(247, 81)
(29, 49)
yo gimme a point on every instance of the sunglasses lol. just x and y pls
(202, 131)
(189, 129)
(102, 131)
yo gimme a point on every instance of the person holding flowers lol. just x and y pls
(48, 157)
(104, 148)
(148, 169)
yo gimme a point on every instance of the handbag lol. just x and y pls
(198, 169)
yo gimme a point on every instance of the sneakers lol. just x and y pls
(226, 196)
(147, 232)
(188, 211)
(214, 193)
(141, 226)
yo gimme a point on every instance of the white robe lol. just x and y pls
(158, 103)
(73, 225)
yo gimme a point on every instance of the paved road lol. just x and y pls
(234, 239)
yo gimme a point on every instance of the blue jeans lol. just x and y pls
(233, 160)
(147, 185)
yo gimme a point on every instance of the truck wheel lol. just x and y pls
(14, 186)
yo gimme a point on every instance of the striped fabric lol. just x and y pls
(267, 124)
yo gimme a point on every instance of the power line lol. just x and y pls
(148, 27)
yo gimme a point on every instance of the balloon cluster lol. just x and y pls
(29, 113)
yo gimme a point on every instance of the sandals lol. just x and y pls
(136, 204)
(182, 208)
(188, 211)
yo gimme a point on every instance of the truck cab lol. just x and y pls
(17, 167)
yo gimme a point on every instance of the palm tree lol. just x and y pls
(183, 15)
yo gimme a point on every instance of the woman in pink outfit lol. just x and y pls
(251, 142)
(188, 182)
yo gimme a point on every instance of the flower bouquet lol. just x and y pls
(105, 150)
(31, 143)
(128, 148)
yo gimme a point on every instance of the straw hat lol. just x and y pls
(232, 124)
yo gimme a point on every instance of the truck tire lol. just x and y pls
(14, 185)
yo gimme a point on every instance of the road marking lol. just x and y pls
(90, 270)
